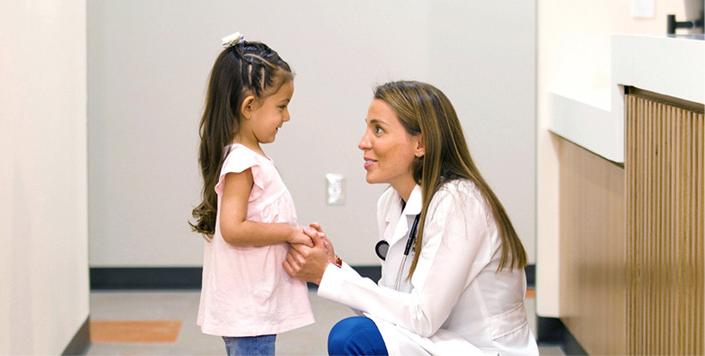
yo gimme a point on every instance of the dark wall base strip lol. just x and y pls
(372, 272)
(80, 341)
(553, 331)
(103, 278)
(146, 278)
(530, 271)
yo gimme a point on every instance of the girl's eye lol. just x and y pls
(378, 130)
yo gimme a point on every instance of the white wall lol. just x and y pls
(482, 54)
(574, 60)
(148, 65)
(43, 218)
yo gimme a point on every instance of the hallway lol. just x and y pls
(177, 312)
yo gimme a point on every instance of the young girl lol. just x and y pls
(247, 214)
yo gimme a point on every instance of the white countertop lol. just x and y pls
(592, 114)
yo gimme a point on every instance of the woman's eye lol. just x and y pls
(378, 130)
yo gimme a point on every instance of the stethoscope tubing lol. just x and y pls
(407, 249)
(412, 236)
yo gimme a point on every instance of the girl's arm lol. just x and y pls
(237, 230)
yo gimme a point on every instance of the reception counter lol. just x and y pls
(631, 165)
(593, 117)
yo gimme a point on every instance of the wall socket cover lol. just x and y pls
(644, 9)
(335, 189)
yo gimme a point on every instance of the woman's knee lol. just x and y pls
(343, 333)
(356, 335)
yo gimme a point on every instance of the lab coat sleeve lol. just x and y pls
(455, 250)
(350, 273)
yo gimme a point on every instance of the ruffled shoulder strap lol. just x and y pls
(238, 160)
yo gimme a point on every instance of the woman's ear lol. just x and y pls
(420, 149)
(247, 107)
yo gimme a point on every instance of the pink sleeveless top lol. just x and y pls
(246, 291)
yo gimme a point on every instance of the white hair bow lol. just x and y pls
(233, 39)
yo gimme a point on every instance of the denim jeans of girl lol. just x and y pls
(250, 345)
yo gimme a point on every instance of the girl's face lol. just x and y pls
(269, 115)
(388, 149)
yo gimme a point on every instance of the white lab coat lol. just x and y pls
(456, 303)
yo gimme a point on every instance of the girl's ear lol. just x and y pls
(247, 107)
(420, 149)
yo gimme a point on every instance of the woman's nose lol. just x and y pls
(364, 143)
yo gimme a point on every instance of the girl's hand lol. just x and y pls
(298, 237)
(326, 242)
(307, 263)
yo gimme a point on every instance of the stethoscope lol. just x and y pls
(382, 247)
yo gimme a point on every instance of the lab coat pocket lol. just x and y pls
(508, 322)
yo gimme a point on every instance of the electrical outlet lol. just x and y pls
(335, 189)
(643, 8)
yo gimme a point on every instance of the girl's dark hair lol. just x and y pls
(424, 109)
(247, 68)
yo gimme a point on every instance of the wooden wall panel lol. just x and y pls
(665, 177)
(593, 258)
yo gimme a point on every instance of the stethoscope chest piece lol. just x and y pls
(381, 249)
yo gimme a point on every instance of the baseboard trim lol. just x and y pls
(530, 271)
(129, 278)
(145, 278)
(553, 331)
(81, 340)
(372, 272)
(120, 278)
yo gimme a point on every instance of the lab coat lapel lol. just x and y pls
(403, 222)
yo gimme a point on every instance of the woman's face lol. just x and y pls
(388, 149)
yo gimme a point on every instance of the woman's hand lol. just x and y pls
(307, 263)
(326, 242)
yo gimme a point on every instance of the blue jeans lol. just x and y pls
(356, 335)
(250, 345)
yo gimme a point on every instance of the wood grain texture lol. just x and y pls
(593, 257)
(665, 177)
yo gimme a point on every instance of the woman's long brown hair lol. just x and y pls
(424, 109)
(247, 68)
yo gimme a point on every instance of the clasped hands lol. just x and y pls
(308, 260)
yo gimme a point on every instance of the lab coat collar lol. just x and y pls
(412, 208)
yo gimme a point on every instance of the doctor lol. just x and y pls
(453, 278)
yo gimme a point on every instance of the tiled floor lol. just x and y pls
(132, 309)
